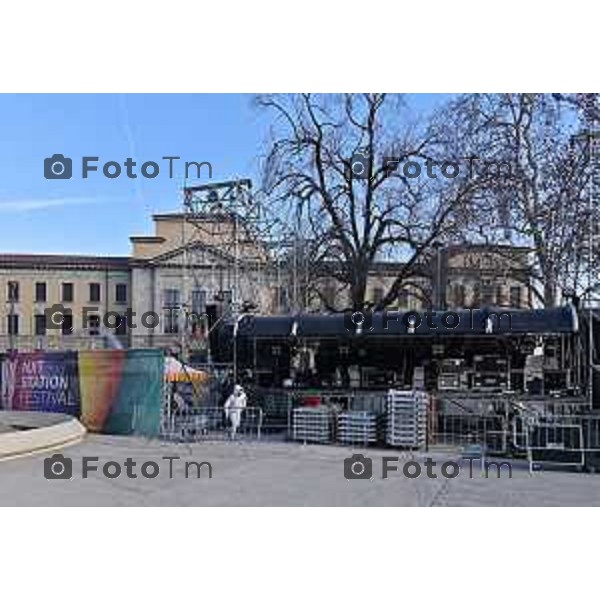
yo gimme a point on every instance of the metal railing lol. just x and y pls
(470, 429)
(543, 439)
(210, 423)
(572, 440)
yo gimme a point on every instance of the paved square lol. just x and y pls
(276, 474)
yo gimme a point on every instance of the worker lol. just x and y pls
(234, 405)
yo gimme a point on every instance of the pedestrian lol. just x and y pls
(234, 405)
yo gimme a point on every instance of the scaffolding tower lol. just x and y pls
(256, 256)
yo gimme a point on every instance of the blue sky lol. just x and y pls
(97, 215)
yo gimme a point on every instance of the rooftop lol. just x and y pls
(63, 260)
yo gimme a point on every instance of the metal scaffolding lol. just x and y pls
(257, 258)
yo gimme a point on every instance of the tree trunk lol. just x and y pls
(549, 293)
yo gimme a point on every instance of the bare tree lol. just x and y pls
(542, 201)
(352, 221)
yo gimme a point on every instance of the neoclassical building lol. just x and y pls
(480, 275)
(195, 269)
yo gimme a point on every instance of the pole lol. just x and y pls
(236, 273)
(590, 263)
(591, 136)
(182, 322)
(439, 277)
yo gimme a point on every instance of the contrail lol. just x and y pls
(39, 204)
(131, 143)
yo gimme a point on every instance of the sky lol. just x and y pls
(97, 215)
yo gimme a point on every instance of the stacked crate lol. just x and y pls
(406, 418)
(312, 424)
(357, 427)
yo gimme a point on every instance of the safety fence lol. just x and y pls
(469, 429)
(561, 440)
(543, 440)
(278, 405)
(197, 424)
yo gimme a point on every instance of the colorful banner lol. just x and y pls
(112, 391)
(121, 391)
(41, 381)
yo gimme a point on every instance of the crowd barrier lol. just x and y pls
(210, 423)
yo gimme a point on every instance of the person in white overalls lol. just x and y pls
(234, 406)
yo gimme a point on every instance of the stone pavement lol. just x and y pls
(276, 474)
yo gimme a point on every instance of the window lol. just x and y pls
(94, 292)
(198, 301)
(328, 296)
(67, 292)
(171, 319)
(67, 323)
(12, 324)
(13, 291)
(121, 293)
(225, 296)
(282, 299)
(170, 298)
(39, 324)
(476, 296)
(515, 296)
(40, 291)
(93, 324)
(377, 295)
(487, 292)
(459, 295)
(403, 298)
(499, 295)
(121, 326)
(197, 319)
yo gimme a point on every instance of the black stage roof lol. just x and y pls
(464, 322)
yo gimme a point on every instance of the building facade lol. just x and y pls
(35, 287)
(195, 270)
(474, 276)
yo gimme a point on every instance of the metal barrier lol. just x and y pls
(552, 441)
(278, 404)
(559, 440)
(572, 440)
(539, 433)
(210, 424)
(488, 430)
